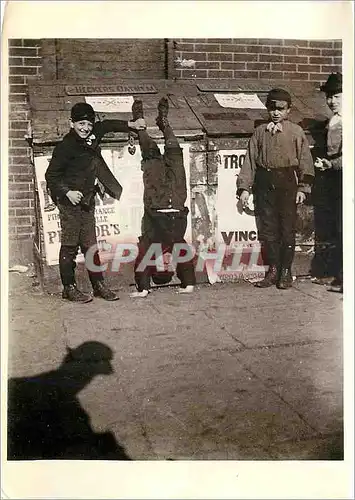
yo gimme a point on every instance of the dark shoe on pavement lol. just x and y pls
(270, 278)
(163, 110)
(101, 290)
(285, 280)
(137, 110)
(70, 292)
(324, 280)
(336, 286)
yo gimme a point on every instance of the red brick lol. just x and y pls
(295, 76)
(18, 116)
(337, 44)
(31, 70)
(270, 58)
(308, 68)
(17, 98)
(246, 74)
(338, 61)
(19, 160)
(20, 195)
(19, 203)
(20, 169)
(15, 61)
(197, 56)
(19, 151)
(23, 177)
(320, 60)
(207, 47)
(32, 42)
(15, 42)
(18, 125)
(269, 41)
(21, 212)
(233, 48)
(331, 69)
(321, 77)
(16, 51)
(18, 89)
(301, 51)
(283, 67)
(245, 57)
(233, 65)
(296, 59)
(219, 40)
(208, 65)
(11, 212)
(20, 221)
(296, 43)
(255, 49)
(185, 46)
(220, 74)
(18, 143)
(24, 229)
(19, 186)
(258, 65)
(331, 52)
(193, 73)
(17, 80)
(17, 134)
(245, 41)
(320, 44)
(18, 108)
(32, 61)
(220, 56)
(276, 75)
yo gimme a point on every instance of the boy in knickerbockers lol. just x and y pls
(165, 215)
(278, 169)
(328, 261)
(71, 177)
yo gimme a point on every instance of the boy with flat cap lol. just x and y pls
(278, 169)
(71, 178)
(165, 214)
(328, 190)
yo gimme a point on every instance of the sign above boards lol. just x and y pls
(107, 89)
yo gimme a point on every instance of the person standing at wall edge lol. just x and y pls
(328, 188)
(72, 175)
(279, 170)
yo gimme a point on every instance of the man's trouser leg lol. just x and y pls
(286, 192)
(88, 245)
(142, 277)
(185, 271)
(70, 222)
(175, 170)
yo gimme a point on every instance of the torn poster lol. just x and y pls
(111, 104)
(246, 101)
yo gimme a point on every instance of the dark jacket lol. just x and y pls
(72, 166)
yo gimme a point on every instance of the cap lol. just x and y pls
(334, 84)
(278, 95)
(82, 111)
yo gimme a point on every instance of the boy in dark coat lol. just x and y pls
(165, 215)
(328, 190)
(71, 177)
(279, 169)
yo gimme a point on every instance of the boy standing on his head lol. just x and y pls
(278, 169)
(328, 202)
(165, 215)
(71, 177)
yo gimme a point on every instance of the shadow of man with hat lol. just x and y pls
(45, 417)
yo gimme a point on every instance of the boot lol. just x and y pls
(101, 290)
(270, 278)
(336, 286)
(70, 292)
(163, 110)
(285, 280)
(137, 110)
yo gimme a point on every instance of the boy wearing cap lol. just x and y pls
(165, 214)
(71, 178)
(328, 187)
(278, 169)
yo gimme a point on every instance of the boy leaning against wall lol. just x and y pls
(72, 175)
(278, 169)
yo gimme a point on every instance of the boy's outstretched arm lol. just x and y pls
(106, 126)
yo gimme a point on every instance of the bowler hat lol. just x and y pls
(82, 111)
(334, 84)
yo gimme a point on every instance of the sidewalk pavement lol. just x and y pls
(230, 372)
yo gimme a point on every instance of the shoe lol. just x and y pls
(270, 278)
(336, 286)
(163, 110)
(70, 292)
(285, 280)
(101, 290)
(137, 110)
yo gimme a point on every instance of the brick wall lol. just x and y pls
(257, 58)
(24, 62)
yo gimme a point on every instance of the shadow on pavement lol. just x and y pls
(45, 417)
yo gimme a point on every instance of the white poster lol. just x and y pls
(116, 221)
(111, 104)
(236, 227)
(240, 100)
